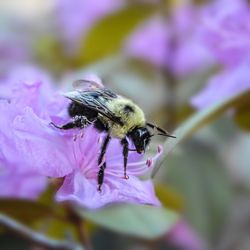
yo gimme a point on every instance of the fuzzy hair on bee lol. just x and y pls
(119, 117)
(130, 114)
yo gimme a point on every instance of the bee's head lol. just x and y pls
(140, 138)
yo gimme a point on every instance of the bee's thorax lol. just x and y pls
(131, 116)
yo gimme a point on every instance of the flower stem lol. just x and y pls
(167, 69)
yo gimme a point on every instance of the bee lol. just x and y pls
(119, 117)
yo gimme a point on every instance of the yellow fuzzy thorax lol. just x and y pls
(130, 119)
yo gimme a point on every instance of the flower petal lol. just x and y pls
(224, 85)
(45, 149)
(82, 191)
(114, 152)
(136, 168)
(26, 185)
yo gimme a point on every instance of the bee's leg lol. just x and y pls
(69, 125)
(100, 159)
(124, 142)
(78, 122)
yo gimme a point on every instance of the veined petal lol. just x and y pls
(114, 152)
(138, 168)
(44, 149)
(82, 191)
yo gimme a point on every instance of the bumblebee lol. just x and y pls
(118, 116)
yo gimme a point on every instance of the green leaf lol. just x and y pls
(38, 215)
(50, 53)
(107, 35)
(36, 237)
(242, 117)
(169, 197)
(58, 228)
(25, 210)
(201, 181)
(199, 120)
(136, 220)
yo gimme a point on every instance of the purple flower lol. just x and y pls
(176, 45)
(26, 185)
(30, 88)
(81, 185)
(227, 33)
(149, 42)
(13, 52)
(60, 154)
(71, 154)
(226, 30)
(223, 85)
(183, 236)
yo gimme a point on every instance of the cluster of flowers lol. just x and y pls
(216, 34)
(195, 38)
(32, 150)
(226, 34)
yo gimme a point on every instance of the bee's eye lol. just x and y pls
(138, 133)
(140, 137)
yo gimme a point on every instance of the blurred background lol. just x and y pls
(155, 53)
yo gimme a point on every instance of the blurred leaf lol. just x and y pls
(242, 117)
(25, 210)
(168, 197)
(202, 182)
(47, 197)
(58, 229)
(50, 53)
(183, 112)
(37, 238)
(198, 120)
(107, 35)
(172, 4)
(190, 84)
(12, 242)
(38, 216)
(136, 220)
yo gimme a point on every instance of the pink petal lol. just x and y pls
(26, 185)
(82, 191)
(114, 152)
(43, 148)
(138, 168)
(182, 235)
(224, 85)
(150, 42)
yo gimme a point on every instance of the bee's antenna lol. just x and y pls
(161, 130)
(168, 135)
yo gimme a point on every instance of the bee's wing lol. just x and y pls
(86, 85)
(97, 101)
